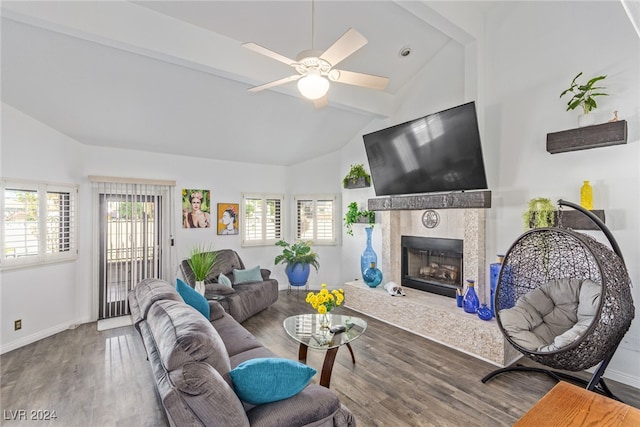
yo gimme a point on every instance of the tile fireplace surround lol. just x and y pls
(433, 316)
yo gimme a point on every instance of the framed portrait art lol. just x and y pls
(228, 218)
(196, 208)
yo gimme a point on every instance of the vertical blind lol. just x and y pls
(132, 228)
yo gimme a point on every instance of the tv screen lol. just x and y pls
(440, 152)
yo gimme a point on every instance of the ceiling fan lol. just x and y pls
(315, 68)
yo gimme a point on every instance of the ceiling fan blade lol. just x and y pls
(267, 52)
(321, 102)
(364, 80)
(275, 83)
(347, 44)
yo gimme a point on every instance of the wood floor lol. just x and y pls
(92, 378)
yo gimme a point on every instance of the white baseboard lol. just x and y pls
(37, 336)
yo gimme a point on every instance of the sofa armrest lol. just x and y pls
(315, 405)
(266, 274)
(216, 310)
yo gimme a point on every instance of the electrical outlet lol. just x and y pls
(17, 325)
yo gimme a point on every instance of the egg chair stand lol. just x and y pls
(556, 253)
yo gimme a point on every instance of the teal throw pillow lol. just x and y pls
(270, 379)
(193, 298)
(224, 280)
(248, 275)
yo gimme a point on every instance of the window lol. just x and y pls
(316, 218)
(39, 223)
(261, 219)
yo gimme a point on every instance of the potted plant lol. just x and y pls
(299, 257)
(583, 96)
(355, 215)
(201, 260)
(357, 177)
(540, 213)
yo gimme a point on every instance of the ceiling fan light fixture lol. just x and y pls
(313, 86)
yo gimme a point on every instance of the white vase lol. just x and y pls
(200, 287)
(586, 120)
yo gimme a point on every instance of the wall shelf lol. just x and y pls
(579, 221)
(357, 183)
(603, 135)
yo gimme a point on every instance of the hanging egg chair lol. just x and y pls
(563, 300)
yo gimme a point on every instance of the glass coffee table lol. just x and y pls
(306, 330)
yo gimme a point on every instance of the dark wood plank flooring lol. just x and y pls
(92, 378)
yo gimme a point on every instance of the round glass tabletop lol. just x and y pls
(305, 329)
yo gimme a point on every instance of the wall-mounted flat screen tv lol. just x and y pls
(440, 152)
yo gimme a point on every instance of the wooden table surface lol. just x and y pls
(569, 405)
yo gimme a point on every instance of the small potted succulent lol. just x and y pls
(357, 177)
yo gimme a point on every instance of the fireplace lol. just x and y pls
(432, 264)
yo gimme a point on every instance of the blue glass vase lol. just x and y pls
(470, 302)
(372, 276)
(484, 312)
(494, 273)
(369, 255)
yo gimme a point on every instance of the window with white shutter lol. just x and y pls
(39, 224)
(261, 219)
(315, 218)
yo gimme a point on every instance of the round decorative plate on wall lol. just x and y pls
(430, 218)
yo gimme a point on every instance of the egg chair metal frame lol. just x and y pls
(543, 254)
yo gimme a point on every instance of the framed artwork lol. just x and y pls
(196, 208)
(228, 218)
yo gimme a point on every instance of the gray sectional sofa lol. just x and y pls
(242, 300)
(191, 358)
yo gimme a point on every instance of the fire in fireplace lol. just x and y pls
(432, 264)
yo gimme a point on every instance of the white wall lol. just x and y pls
(43, 297)
(530, 53)
(533, 51)
(49, 299)
(437, 86)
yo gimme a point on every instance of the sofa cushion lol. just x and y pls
(247, 276)
(183, 335)
(224, 280)
(547, 318)
(209, 396)
(150, 290)
(212, 290)
(322, 408)
(264, 380)
(193, 298)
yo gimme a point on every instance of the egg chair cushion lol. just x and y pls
(553, 315)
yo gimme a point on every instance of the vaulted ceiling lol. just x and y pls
(172, 76)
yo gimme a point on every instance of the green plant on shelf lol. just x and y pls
(356, 172)
(583, 95)
(354, 214)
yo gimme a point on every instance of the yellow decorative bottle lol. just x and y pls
(586, 196)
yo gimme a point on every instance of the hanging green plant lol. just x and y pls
(357, 177)
(540, 213)
(354, 214)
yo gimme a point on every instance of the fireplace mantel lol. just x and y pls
(461, 200)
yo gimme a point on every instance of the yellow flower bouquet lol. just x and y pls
(324, 300)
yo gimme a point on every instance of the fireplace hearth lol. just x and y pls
(432, 264)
